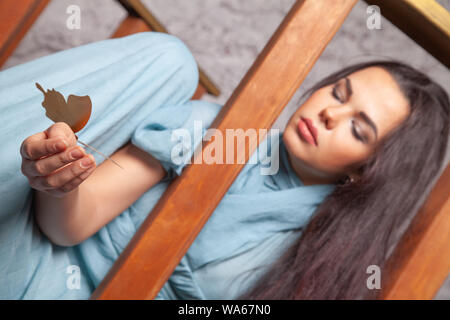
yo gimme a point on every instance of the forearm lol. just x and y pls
(63, 219)
(106, 193)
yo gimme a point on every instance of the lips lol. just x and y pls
(307, 130)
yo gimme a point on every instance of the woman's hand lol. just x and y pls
(53, 162)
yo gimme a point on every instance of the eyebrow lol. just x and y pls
(364, 116)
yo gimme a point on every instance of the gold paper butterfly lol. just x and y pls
(75, 112)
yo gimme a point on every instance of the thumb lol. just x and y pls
(63, 130)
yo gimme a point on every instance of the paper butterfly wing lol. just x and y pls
(79, 108)
(54, 104)
(75, 112)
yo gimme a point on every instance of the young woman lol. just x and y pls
(351, 158)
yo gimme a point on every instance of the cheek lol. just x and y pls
(336, 154)
(341, 151)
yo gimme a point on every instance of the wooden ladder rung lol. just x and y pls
(137, 9)
(132, 24)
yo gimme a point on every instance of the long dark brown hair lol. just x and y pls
(352, 228)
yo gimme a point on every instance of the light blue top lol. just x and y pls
(140, 87)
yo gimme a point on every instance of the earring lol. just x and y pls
(348, 179)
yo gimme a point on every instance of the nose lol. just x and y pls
(333, 114)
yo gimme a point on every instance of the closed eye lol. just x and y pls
(335, 94)
(355, 133)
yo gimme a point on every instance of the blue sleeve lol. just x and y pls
(171, 133)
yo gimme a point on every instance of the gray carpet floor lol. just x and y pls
(226, 36)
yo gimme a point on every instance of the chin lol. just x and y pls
(292, 142)
(287, 137)
(291, 138)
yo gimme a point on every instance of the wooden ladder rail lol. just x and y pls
(420, 262)
(167, 233)
(16, 18)
(424, 21)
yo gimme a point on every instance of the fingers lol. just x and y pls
(76, 181)
(53, 162)
(66, 178)
(71, 185)
(55, 138)
(61, 129)
(36, 147)
(45, 166)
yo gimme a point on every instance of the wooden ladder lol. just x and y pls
(420, 262)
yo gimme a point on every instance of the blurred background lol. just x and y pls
(226, 36)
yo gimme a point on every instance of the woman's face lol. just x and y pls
(350, 116)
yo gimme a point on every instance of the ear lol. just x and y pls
(351, 176)
(354, 176)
